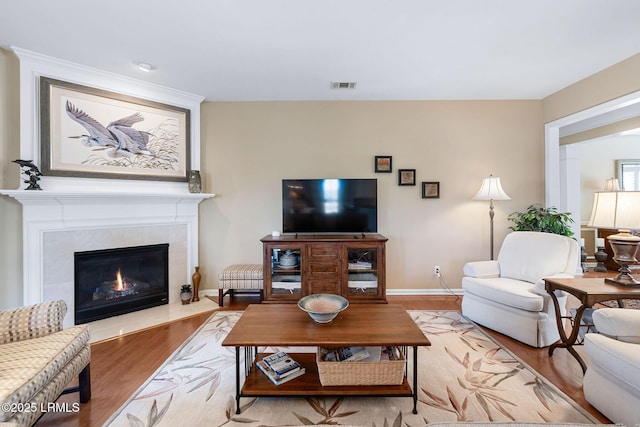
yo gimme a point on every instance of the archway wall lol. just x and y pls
(618, 80)
(611, 89)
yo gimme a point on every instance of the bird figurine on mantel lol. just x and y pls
(32, 173)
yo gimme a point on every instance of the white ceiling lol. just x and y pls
(294, 49)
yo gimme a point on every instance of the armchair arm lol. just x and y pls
(539, 287)
(33, 321)
(618, 323)
(482, 269)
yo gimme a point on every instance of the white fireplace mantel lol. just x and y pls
(51, 211)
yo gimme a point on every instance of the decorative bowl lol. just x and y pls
(323, 308)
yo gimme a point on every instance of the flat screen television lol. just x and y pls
(330, 205)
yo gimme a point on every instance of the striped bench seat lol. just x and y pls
(247, 277)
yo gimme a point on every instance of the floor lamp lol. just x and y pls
(491, 190)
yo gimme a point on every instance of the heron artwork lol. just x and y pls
(119, 137)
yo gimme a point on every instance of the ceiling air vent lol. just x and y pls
(343, 85)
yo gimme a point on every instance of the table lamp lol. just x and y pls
(491, 190)
(620, 210)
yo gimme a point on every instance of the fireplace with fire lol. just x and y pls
(112, 282)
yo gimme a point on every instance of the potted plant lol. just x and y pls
(546, 220)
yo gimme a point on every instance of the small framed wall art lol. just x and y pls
(406, 177)
(382, 164)
(431, 190)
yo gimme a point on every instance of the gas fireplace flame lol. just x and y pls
(120, 286)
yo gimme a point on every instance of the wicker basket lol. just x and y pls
(388, 372)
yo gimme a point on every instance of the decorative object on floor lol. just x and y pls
(619, 210)
(195, 279)
(323, 308)
(583, 257)
(406, 177)
(382, 164)
(31, 172)
(94, 133)
(186, 294)
(491, 189)
(431, 190)
(601, 256)
(508, 295)
(466, 376)
(195, 183)
(612, 381)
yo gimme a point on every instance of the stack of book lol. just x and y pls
(359, 265)
(280, 367)
(361, 354)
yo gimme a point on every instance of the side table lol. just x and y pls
(589, 292)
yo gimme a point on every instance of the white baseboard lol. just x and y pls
(214, 292)
(425, 292)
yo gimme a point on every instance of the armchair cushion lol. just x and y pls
(548, 250)
(505, 291)
(618, 323)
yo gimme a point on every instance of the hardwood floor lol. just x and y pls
(121, 365)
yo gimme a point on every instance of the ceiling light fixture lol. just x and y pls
(147, 68)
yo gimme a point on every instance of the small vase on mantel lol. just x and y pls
(195, 279)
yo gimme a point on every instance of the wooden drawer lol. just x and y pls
(324, 268)
(325, 286)
(324, 251)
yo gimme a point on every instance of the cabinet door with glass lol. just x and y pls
(365, 275)
(284, 278)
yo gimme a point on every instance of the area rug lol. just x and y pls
(463, 376)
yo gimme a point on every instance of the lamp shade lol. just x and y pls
(616, 209)
(491, 189)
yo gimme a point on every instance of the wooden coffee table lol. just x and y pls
(285, 325)
(589, 291)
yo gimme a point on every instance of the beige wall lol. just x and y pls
(10, 222)
(248, 148)
(611, 83)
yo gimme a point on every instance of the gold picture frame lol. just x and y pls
(94, 133)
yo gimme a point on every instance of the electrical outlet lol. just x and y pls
(436, 270)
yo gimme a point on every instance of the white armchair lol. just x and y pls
(612, 381)
(508, 295)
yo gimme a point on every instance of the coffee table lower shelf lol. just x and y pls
(257, 384)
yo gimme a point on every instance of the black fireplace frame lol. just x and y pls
(124, 306)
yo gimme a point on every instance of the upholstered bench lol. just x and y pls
(247, 277)
(38, 359)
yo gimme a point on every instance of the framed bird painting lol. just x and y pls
(93, 133)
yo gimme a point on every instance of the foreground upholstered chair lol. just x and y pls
(612, 381)
(38, 359)
(508, 295)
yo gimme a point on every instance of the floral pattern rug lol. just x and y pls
(463, 376)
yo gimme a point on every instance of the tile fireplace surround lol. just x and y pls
(58, 223)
